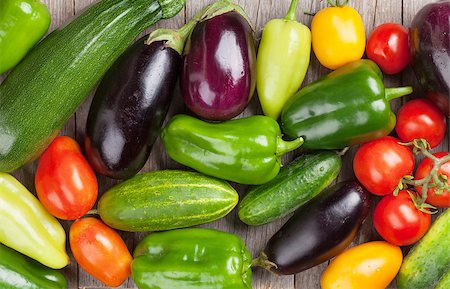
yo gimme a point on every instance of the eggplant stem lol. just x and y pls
(292, 12)
(287, 146)
(396, 92)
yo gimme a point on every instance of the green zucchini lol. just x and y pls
(428, 262)
(297, 183)
(47, 86)
(165, 200)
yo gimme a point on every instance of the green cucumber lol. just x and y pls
(47, 86)
(165, 200)
(428, 262)
(444, 282)
(297, 183)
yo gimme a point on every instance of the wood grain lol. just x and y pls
(374, 12)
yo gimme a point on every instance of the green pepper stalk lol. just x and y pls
(20, 272)
(246, 150)
(22, 24)
(192, 258)
(27, 227)
(282, 62)
(346, 107)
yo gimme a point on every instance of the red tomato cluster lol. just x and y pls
(380, 166)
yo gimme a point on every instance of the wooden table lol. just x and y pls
(374, 12)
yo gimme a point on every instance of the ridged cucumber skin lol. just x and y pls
(429, 260)
(165, 200)
(45, 89)
(297, 183)
(444, 283)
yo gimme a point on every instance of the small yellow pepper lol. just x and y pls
(338, 36)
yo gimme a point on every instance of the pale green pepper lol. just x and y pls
(282, 62)
(27, 227)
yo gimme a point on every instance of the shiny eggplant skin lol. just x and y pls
(129, 108)
(430, 51)
(319, 230)
(219, 67)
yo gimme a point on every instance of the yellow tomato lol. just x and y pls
(338, 36)
(371, 265)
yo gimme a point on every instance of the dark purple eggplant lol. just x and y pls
(218, 74)
(318, 231)
(430, 51)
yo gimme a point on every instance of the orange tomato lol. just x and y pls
(100, 251)
(338, 36)
(371, 265)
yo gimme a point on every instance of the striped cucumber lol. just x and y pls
(48, 85)
(428, 263)
(165, 200)
(297, 183)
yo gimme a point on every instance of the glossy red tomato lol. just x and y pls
(388, 47)
(420, 118)
(65, 183)
(380, 164)
(398, 221)
(424, 168)
(100, 251)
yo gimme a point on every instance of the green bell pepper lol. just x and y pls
(27, 227)
(22, 25)
(192, 258)
(246, 150)
(346, 107)
(20, 272)
(283, 59)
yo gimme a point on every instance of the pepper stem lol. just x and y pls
(287, 146)
(396, 92)
(292, 12)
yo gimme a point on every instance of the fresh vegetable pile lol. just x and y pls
(216, 61)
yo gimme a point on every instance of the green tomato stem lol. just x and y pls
(292, 12)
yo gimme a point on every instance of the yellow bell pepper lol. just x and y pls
(371, 265)
(27, 227)
(338, 36)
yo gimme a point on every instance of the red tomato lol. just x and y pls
(398, 221)
(420, 118)
(65, 183)
(424, 168)
(388, 47)
(380, 164)
(100, 251)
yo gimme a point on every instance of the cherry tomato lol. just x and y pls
(380, 164)
(423, 170)
(371, 265)
(420, 118)
(398, 221)
(65, 183)
(388, 47)
(100, 251)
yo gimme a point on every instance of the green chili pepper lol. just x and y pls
(246, 150)
(346, 107)
(283, 59)
(192, 258)
(20, 272)
(27, 227)
(22, 25)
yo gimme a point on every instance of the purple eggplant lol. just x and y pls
(131, 103)
(318, 231)
(430, 51)
(218, 71)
